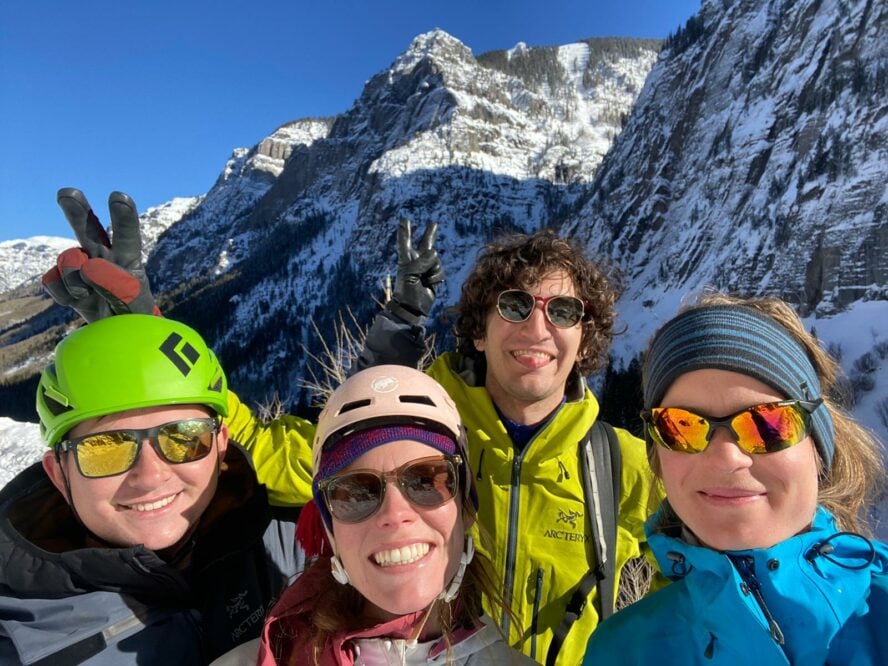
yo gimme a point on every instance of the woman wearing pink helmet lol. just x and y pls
(396, 579)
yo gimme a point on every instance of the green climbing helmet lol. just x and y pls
(127, 362)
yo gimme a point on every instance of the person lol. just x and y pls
(101, 278)
(535, 316)
(399, 579)
(768, 483)
(143, 536)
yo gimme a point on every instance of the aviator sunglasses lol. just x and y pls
(765, 428)
(563, 311)
(114, 452)
(426, 482)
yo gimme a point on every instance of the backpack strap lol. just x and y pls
(600, 463)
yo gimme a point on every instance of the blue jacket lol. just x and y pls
(64, 600)
(823, 593)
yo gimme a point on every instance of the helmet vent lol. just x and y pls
(53, 405)
(356, 404)
(417, 400)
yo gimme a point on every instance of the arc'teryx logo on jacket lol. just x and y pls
(568, 517)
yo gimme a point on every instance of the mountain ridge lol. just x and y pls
(710, 178)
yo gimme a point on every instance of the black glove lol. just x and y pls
(97, 279)
(419, 274)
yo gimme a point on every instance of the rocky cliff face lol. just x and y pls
(755, 158)
(507, 141)
(201, 243)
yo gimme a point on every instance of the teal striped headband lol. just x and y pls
(738, 339)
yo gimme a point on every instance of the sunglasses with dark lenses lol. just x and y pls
(764, 428)
(563, 311)
(114, 452)
(426, 482)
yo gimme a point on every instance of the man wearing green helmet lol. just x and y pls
(144, 537)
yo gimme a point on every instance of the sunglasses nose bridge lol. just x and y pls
(149, 460)
(394, 506)
(152, 439)
(392, 476)
(728, 426)
(539, 315)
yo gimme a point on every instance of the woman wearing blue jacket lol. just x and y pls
(769, 484)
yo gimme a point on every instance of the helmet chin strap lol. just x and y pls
(70, 496)
(452, 590)
(340, 575)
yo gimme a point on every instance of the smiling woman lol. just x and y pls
(396, 576)
(769, 485)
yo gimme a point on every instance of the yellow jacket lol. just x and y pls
(281, 451)
(533, 507)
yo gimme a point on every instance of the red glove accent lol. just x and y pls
(111, 278)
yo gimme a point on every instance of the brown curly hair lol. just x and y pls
(522, 261)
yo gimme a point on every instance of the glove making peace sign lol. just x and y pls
(100, 279)
(419, 274)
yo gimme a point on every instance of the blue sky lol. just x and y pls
(151, 97)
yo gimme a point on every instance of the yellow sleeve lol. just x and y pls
(637, 480)
(640, 497)
(280, 449)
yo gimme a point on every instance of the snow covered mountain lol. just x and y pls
(211, 237)
(24, 261)
(157, 219)
(753, 160)
(756, 160)
(504, 141)
(436, 126)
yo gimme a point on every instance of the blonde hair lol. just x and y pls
(857, 475)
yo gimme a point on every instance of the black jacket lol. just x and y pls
(67, 603)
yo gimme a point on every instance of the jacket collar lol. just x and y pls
(810, 565)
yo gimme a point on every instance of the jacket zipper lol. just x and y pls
(511, 544)
(710, 648)
(745, 565)
(538, 594)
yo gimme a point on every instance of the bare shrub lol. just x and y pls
(835, 350)
(333, 364)
(271, 410)
(866, 364)
(635, 581)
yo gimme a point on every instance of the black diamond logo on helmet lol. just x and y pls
(183, 356)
